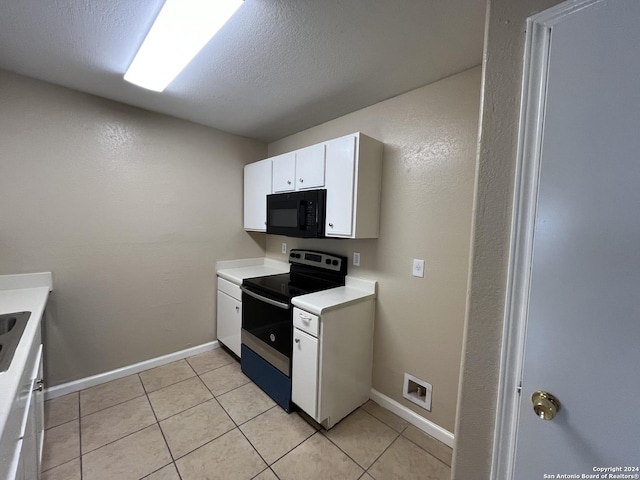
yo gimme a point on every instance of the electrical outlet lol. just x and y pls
(418, 268)
(356, 259)
(284, 247)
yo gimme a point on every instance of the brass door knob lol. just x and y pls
(545, 405)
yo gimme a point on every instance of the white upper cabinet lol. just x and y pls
(299, 170)
(349, 168)
(353, 182)
(257, 185)
(284, 172)
(310, 167)
(341, 159)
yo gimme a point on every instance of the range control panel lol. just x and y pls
(322, 260)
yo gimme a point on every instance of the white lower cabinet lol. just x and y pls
(25, 427)
(331, 361)
(229, 315)
(31, 455)
(304, 388)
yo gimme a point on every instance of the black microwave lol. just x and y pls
(297, 214)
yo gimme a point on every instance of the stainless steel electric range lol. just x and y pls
(267, 318)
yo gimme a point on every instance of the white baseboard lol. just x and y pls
(427, 426)
(77, 385)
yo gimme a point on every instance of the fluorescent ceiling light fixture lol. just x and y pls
(181, 30)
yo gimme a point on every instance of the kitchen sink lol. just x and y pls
(12, 326)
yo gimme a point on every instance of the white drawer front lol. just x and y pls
(229, 288)
(306, 321)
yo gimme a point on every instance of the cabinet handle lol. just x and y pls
(331, 225)
(301, 180)
(288, 182)
(237, 309)
(39, 385)
(297, 340)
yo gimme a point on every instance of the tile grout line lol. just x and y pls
(274, 472)
(401, 434)
(114, 405)
(223, 393)
(288, 451)
(157, 421)
(126, 435)
(238, 425)
(380, 456)
(261, 472)
(209, 441)
(254, 448)
(211, 370)
(352, 459)
(173, 460)
(62, 424)
(147, 393)
(424, 449)
(232, 390)
(160, 428)
(156, 470)
(361, 407)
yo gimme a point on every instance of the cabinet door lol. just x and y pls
(310, 167)
(29, 444)
(304, 376)
(33, 426)
(257, 185)
(229, 316)
(340, 160)
(284, 172)
(39, 407)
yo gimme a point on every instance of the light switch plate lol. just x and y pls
(356, 259)
(284, 247)
(418, 268)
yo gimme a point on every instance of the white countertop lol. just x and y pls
(236, 271)
(355, 290)
(19, 293)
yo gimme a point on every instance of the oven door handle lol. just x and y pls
(275, 303)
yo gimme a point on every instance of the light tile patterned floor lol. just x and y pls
(201, 418)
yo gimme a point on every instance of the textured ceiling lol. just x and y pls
(277, 67)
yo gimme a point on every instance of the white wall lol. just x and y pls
(130, 210)
(430, 141)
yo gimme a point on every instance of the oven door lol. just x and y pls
(267, 328)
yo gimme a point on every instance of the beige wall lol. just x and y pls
(129, 209)
(430, 140)
(502, 84)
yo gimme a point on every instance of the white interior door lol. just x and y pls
(582, 340)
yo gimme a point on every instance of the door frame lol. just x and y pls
(527, 175)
